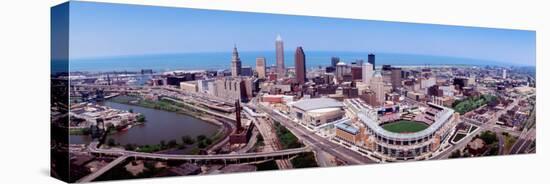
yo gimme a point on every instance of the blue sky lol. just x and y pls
(103, 30)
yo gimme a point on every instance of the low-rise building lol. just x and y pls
(189, 86)
(317, 111)
(346, 132)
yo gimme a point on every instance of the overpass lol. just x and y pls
(270, 137)
(104, 169)
(247, 157)
(124, 154)
(223, 157)
(252, 113)
(208, 111)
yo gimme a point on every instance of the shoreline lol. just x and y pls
(180, 110)
(222, 130)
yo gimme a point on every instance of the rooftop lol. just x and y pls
(346, 126)
(317, 103)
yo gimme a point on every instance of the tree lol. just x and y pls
(162, 143)
(208, 141)
(111, 142)
(172, 143)
(201, 137)
(187, 140)
(131, 110)
(493, 149)
(202, 144)
(130, 147)
(455, 154)
(488, 137)
(141, 118)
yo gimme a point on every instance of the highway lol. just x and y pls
(261, 155)
(124, 154)
(316, 142)
(211, 112)
(271, 140)
(104, 169)
(524, 141)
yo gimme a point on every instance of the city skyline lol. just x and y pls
(233, 110)
(172, 35)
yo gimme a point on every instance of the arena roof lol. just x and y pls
(317, 103)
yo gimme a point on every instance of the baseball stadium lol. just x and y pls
(396, 134)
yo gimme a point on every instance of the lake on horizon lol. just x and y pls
(222, 60)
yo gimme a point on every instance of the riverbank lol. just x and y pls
(203, 142)
(86, 115)
(164, 105)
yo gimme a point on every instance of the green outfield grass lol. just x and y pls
(405, 126)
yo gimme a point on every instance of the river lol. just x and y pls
(160, 125)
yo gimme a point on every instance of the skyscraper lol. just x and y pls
(504, 73)
(280, 57)
(396, 78)
(235, 63)
(300, 65)
(260, 67)
(334, 61)
(341, 70)
(367, 73)
(246, 71)
(371, 61)
(377, 85)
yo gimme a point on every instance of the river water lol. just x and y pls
(160, 125)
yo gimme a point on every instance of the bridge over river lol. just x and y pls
(240, 157)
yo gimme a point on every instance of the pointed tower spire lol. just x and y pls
(235, 52)
(235, 62)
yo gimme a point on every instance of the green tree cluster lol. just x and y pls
(472, 103)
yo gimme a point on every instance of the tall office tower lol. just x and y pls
(396, 78)
(260, 67)
(280, 57)
(235, 63)
(334, 61)
(356, 72)
(246, 71)
(300, 65)
(367, 73)
(371, 61)
(377, 85)
(341, 70)
(504, 73)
